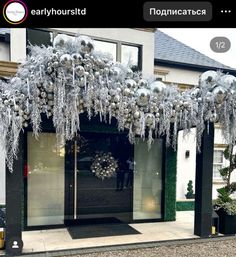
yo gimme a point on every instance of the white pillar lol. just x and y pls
(18, 45)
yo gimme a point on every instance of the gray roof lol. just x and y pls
(170, 50)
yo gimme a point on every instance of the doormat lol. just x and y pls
(101, 230)
(91, 221)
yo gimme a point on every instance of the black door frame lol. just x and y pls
(47, 127)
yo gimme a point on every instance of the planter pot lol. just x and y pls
(2, 238)
(1, 243)
(227, 223)
(190, 197)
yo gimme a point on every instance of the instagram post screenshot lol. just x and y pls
(117, 128)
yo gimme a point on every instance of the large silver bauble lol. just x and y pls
(130, 83)
(219, 93)
(77, 58)
(116, 98)
(228, 81)
(143, 96)
(62, 40)
(157, 87)
(79, 70)
(50, 87)
(149, 119)
(209, 77)
(142, 83)
(127, 92)
(85, 44)
(66, 60)
(137, 115)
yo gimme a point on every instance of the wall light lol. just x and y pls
(187, 154)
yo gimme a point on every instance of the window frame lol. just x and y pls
(223, 164)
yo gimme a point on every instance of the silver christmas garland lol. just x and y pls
(104, 165)
(69, 78)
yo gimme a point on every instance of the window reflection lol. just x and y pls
(130, 56)
(45, 172)
(106, 47)
(147, 180)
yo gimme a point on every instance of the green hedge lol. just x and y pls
(170, 185)
(185, 205)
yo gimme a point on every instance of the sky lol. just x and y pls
(199, 39)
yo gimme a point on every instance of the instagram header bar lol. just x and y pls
(89, 13)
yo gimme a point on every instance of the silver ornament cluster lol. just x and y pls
(104, 165)
(70, 78)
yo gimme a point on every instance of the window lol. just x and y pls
(217, 163)
(108, 47)
(5, 44)
(39, 37)
(130, 55)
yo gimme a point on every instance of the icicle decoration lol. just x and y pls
(71, 78)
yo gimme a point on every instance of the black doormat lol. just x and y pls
(91, 221)
(101, 230)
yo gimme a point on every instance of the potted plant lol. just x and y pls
(2, 226)
(224, 205)
(190, 194)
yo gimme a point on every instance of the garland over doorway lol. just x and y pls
(71, 78)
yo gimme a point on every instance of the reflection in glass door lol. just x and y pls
(45, 180)
(147, 180)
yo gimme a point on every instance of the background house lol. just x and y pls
(179, 64)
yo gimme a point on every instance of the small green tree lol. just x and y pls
(224, 199)
(190, 194)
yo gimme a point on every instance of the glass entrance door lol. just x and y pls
(88, 195)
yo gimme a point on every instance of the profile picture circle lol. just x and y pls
(15, 12)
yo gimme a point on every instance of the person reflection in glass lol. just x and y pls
(120, 176)
(130, 176)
